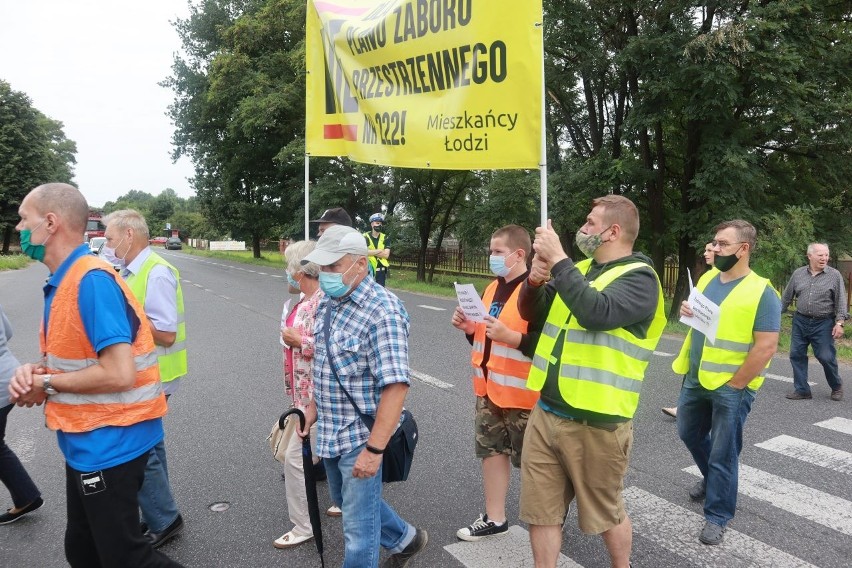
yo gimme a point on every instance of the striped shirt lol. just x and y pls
(821, 295)
(369, 349)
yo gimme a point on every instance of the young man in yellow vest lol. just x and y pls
(502, 347)
(602, 320)
(99, 380)
(378, 248)
(156, 284)
(722, 376)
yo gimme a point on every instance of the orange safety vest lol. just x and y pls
(67, 348)
(508, 367)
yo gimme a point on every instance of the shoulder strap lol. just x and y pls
(366, 419)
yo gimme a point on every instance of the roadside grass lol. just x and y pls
(442, 286)
(14, 261)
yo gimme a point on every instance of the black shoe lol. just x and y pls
(481, 528)
(319, 471)
(796, 395)
(10, 517)
(837, 395)
(143, 527)
(711, 534)
(160, 538)
(698, 491)
(400, 559)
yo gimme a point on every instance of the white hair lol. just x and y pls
(294, 255)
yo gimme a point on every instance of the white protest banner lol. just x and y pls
(470, 302)
(705, 314)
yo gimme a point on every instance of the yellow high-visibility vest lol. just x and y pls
(374, 260)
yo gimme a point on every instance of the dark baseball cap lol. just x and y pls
(337, 215)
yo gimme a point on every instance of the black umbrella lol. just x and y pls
(310, 482)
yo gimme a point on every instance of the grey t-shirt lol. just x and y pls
(8, 362)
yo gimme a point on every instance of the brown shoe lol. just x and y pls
(796, 395)
(837, 395)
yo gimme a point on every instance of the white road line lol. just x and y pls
(424, 306)
(429, 379)
(809, 452)
(837, 424)
(512, 551)
(676, 529)
(663, 354)
(817, 506)
(775, 377)
(197, 285)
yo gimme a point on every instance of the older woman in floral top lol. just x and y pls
(298, 338)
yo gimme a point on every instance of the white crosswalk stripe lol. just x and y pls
(812, 504)
(838, 424)
(810, 452)
(676, 529)
(509, 551)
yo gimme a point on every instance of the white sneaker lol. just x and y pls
(334, 511)
(289, 540)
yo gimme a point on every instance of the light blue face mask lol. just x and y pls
(293, 282)
(498, 265)
(331, 283)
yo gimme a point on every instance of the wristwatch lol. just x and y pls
(46, 386)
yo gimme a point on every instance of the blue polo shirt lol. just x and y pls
(108, 320)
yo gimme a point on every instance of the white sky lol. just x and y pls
(94, 65)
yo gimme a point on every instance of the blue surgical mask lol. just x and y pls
(498, 265)
(293, 282)
(331, 283)
(35, 252)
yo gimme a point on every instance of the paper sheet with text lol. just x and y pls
(470, 302)
(705, 313)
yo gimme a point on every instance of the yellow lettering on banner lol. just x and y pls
(452, 84)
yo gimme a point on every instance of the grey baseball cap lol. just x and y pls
(335, 242)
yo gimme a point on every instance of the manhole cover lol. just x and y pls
(220, 507)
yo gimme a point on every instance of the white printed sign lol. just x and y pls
(470, 302)
(705, 313)
(227, 245)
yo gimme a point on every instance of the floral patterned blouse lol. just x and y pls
(302, 316)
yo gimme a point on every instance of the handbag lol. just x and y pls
(399, 453)
(278, 439)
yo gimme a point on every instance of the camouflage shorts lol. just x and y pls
(499, 430)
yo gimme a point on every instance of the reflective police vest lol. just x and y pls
(508, 367)
(600, 371)
(66, 348)
(374, 260)
(172, 359)
(734, 336)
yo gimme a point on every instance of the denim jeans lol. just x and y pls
(368, 521)
(158, 506)
(710, 423)
(817, 333)
(12, 472)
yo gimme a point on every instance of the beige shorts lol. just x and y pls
(564, 459)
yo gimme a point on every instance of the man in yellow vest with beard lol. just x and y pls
(722, 376)
(156, 284)
(602, 320)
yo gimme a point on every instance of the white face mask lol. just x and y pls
(110, 256)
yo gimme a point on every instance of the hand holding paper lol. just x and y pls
(470, 302)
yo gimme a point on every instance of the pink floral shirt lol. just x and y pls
(300, 375)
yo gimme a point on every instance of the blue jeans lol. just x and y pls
(158, 506)
(368, 521)
(710, 423)
(817, 333)
(12, 472)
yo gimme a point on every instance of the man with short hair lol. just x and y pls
(820, 313)
(360, 348)
(722, 376)
(99, 380)
(602, 318)
(378, 248)
(156, 284)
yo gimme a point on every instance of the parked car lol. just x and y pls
(157, 241)
(95, 244)
(173, 244)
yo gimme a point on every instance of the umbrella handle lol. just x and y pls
(296, 411)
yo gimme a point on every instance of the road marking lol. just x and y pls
(197, 285)
(837, 424)
(429, 379)
(676, 529)
(812, 504)
(512, 549)
(663, 354)
(810, 452)
(424, 306)
(783, 378)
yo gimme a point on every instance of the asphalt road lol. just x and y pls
(795, 506)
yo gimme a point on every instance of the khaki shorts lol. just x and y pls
(499, 430)
(564, 459)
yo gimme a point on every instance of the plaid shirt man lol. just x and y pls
(369, 350)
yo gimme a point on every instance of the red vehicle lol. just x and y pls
(94, 227)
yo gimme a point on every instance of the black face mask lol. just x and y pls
(726, 262)
(377, 227)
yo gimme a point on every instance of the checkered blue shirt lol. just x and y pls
(369, 348)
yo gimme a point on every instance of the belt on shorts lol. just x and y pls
(815, 318)
(608, 426)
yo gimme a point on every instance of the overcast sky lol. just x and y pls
(94, 65)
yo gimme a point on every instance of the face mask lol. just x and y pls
(498, 265)
(378, 227)
(726, 262)
(111, 257)
(587, 243)
(331, 283)
(292, 281)
(35, 252)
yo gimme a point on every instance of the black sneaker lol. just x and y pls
(481, 528)
(698, 491)
(400, 559)
(9, 517)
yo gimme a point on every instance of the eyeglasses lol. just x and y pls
(725, 244)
